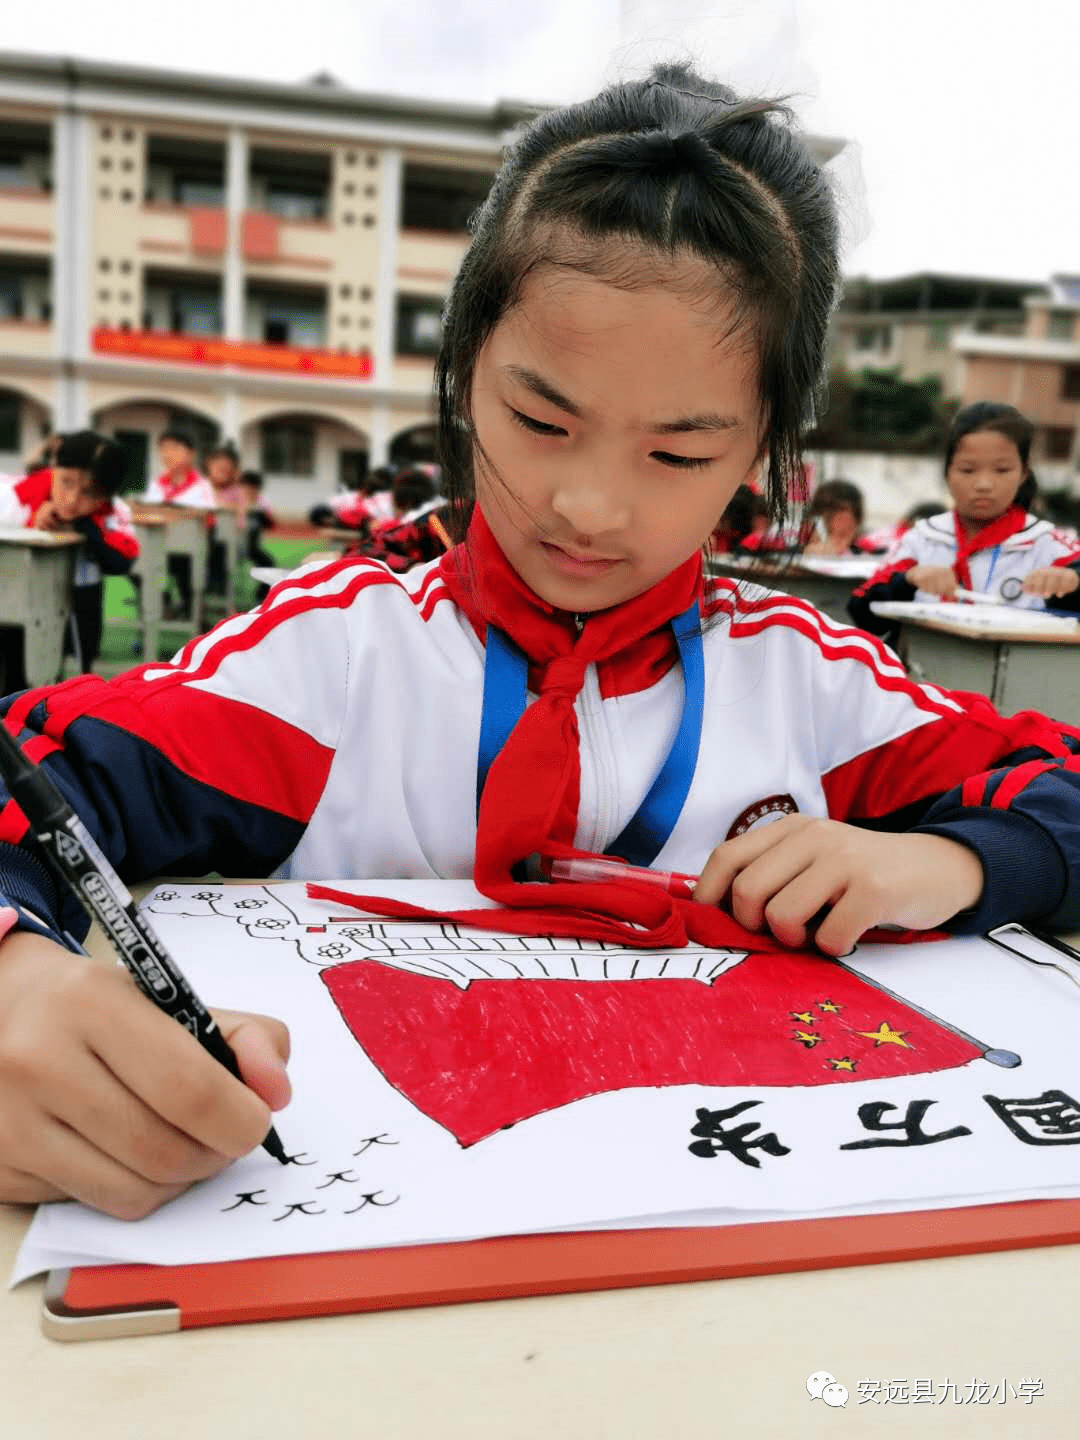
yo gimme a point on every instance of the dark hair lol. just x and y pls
(678, 166)
(180, 436)
(102, 459)
(924, 510)
(412, 488)
(381, 478)
(837, 495)
(744, 507)
(1007, 421)
(252, 478)
(223, 447)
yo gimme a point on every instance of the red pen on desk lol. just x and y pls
(604, 867)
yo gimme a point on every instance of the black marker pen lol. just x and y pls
(72, 849)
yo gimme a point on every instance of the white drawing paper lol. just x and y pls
(452, 1084)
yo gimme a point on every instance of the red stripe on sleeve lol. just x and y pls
(884, 575)
(934, 758)
(1016, 781)
(973, 791)
(234, 748)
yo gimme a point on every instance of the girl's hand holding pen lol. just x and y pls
(106, 1099)
(781, 876)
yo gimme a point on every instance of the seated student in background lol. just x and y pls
(371, 504)
(179, 483)
(989, 542)
(747, 514)
(258, 517)
(641, 317)
(419, 530)
(78, 492)
(834, 517)
(223, 472)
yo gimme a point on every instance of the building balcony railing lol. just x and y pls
(27, 221)
(30, 339)
(242, 354)
(430, 257)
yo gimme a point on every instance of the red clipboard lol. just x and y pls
(101, 1301)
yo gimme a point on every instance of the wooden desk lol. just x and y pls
(229, 531)
(165, 530)
(1018, 670)
(685, 1362)
(680, 1362)
(36, 572)
(829, 593)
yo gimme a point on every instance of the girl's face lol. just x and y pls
(841, 525)
(73, 493)
(616, 426)
(220, 471)
(984, 475)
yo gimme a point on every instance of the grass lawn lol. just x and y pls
(118, 641)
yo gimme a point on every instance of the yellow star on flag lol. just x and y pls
(845, 1064)
(803, 1015)
(830, 1007)
(883, 1035)
(807, 1039)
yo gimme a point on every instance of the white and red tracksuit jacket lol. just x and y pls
(332, 733)
(995, 560)
(110, 545)
(193, 490)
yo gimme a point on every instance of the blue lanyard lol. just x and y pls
(506, 677)
(993, 562)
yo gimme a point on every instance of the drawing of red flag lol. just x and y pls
(480, 1057)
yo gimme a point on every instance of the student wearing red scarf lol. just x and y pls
(637, 330)
(989, 542)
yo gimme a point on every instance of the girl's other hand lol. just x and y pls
(1051, 581)
(934, 579)
(781, 876)
(105, 1099)
(46, 518)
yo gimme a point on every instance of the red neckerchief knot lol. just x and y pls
(990, 535)
(530, 800)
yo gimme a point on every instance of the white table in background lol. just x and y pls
(1018, 668)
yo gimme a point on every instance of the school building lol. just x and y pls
(1038, 371)
(908, 323)
(260, 262)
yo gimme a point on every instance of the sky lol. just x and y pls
(962, 117)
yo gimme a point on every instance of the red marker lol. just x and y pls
(605, 868)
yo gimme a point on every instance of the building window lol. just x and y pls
(435, 199)
(1070, 382)
(1058, 442)
(10, 439)
(288, 447)
(289, 202)
(195, 315)
(419, 324)
(937, 335)
(11, 297)
(352, 468)
(1059, 325)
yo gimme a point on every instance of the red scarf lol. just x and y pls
(171, 488)
(1014, 519)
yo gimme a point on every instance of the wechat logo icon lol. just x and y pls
(823, 1386)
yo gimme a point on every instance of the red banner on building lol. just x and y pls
(244, 354)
